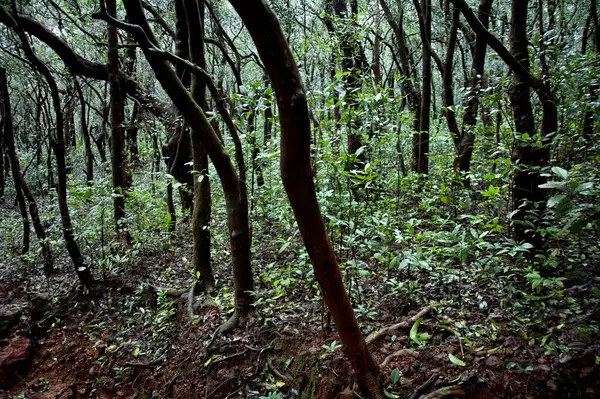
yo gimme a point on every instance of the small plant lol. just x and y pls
(330, 349)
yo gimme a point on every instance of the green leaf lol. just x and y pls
(414, 333)
(553, 201)
(390, 395)
(395, 376)
(560, 172)
(456, 360)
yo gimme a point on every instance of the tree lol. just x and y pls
(296, 173)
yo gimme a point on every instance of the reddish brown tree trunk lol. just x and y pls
(296, 172)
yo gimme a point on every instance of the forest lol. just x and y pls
(299, 199)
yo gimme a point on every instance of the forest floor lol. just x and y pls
(123, 339)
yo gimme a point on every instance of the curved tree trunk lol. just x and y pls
(233, 185)
(202, 200)
(20, 183)
(57, 144)
(296, 172)
(8, 138)
(464, 144)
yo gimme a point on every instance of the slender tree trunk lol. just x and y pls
(296, 172)
(117, 118)
(9, 141)
(58, 146)
(421, 137)
(464, 145)
(132, 134)
(12, 157)
(202, 199)
(589, 118)
(89, 158)
(2, 175)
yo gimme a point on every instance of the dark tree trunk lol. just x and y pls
(233, 185)
(421, 137)
(117, 118)
(180, 168)
(464, 142)
(132, 134)
(297, 175)
(526, 178)
(170, 202)
(2, 175)
(8, 138)
(352, 64)
(589, 118)
(202, 199)
(409, 84)
(89, 158)
(448, 74)
(20, 184)
(57, 144)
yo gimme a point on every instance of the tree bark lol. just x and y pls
(297, 175)
(8, 138)
(202, 199)
(89, 158)
(465, 141)
(237, 214)
(421, 137)
(57, 144)
(117, 119)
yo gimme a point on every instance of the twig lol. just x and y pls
(224, 359)
(453, 390)
(404, 324)
(401, 352)
(219, 386)
(283, 377)
(425, 386)
(146, 364)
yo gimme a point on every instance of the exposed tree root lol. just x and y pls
(190, 304)
(400, 353)
(289, 380)
(393, 328)
(453, 390)
(230, 324)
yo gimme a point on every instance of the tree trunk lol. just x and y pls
(235, 198)
(12, 157)
(202, 199)
(117, 118)
(296, 172)
(89, 158)
(525, 180)
(421, 137)
(464, 144)
(132, 134)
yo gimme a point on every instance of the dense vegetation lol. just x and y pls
(299, 198)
